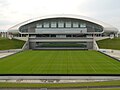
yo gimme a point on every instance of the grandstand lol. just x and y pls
(72, 31)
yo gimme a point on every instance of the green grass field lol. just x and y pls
(109, 43)
(59, 62)
(6, 44)
(62, 85)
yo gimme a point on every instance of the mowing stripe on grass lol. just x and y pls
(59, 62)
(92, 67)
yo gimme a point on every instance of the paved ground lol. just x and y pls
(6, 54)
(78, 88)
(32, 78)
(51, 81)
(112, 53)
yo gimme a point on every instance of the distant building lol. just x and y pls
(3, 34)
(0, 34)
(119, 34)
(62, 30)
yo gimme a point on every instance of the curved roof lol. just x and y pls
(107, 27)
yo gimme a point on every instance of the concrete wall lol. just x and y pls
(100, 38)
(21, 38)
(89, 42)
(90, 45)
(32, 45)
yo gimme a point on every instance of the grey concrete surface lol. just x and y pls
(111, 52)
(60, 77)
(5, 53)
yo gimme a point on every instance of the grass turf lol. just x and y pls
(109, 43)
(61, 85)
(59, 62)
(6, 44)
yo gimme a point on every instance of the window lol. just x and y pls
(75, 24)
(39, 25)
(60, 24)
(68, 24)
(53, 25)
(82, 25)
(46, 25)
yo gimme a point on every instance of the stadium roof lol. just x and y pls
(107, 27)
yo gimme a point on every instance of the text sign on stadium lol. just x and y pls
(61, 30)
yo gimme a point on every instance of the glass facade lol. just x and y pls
(61, 23)
(46, 25)
(75, 24)
(53, 24)
(68, 24)
(82, 25)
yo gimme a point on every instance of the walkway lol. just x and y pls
(112, 53)
(4, 53)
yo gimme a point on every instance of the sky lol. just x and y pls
(13, 12)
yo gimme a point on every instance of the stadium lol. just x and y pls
(60, 44)
(60, 51)
(62, 31)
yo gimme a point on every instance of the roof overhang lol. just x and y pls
(107, 27)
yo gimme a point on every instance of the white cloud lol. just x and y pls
(16, 11)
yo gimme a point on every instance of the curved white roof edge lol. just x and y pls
(106, 26)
